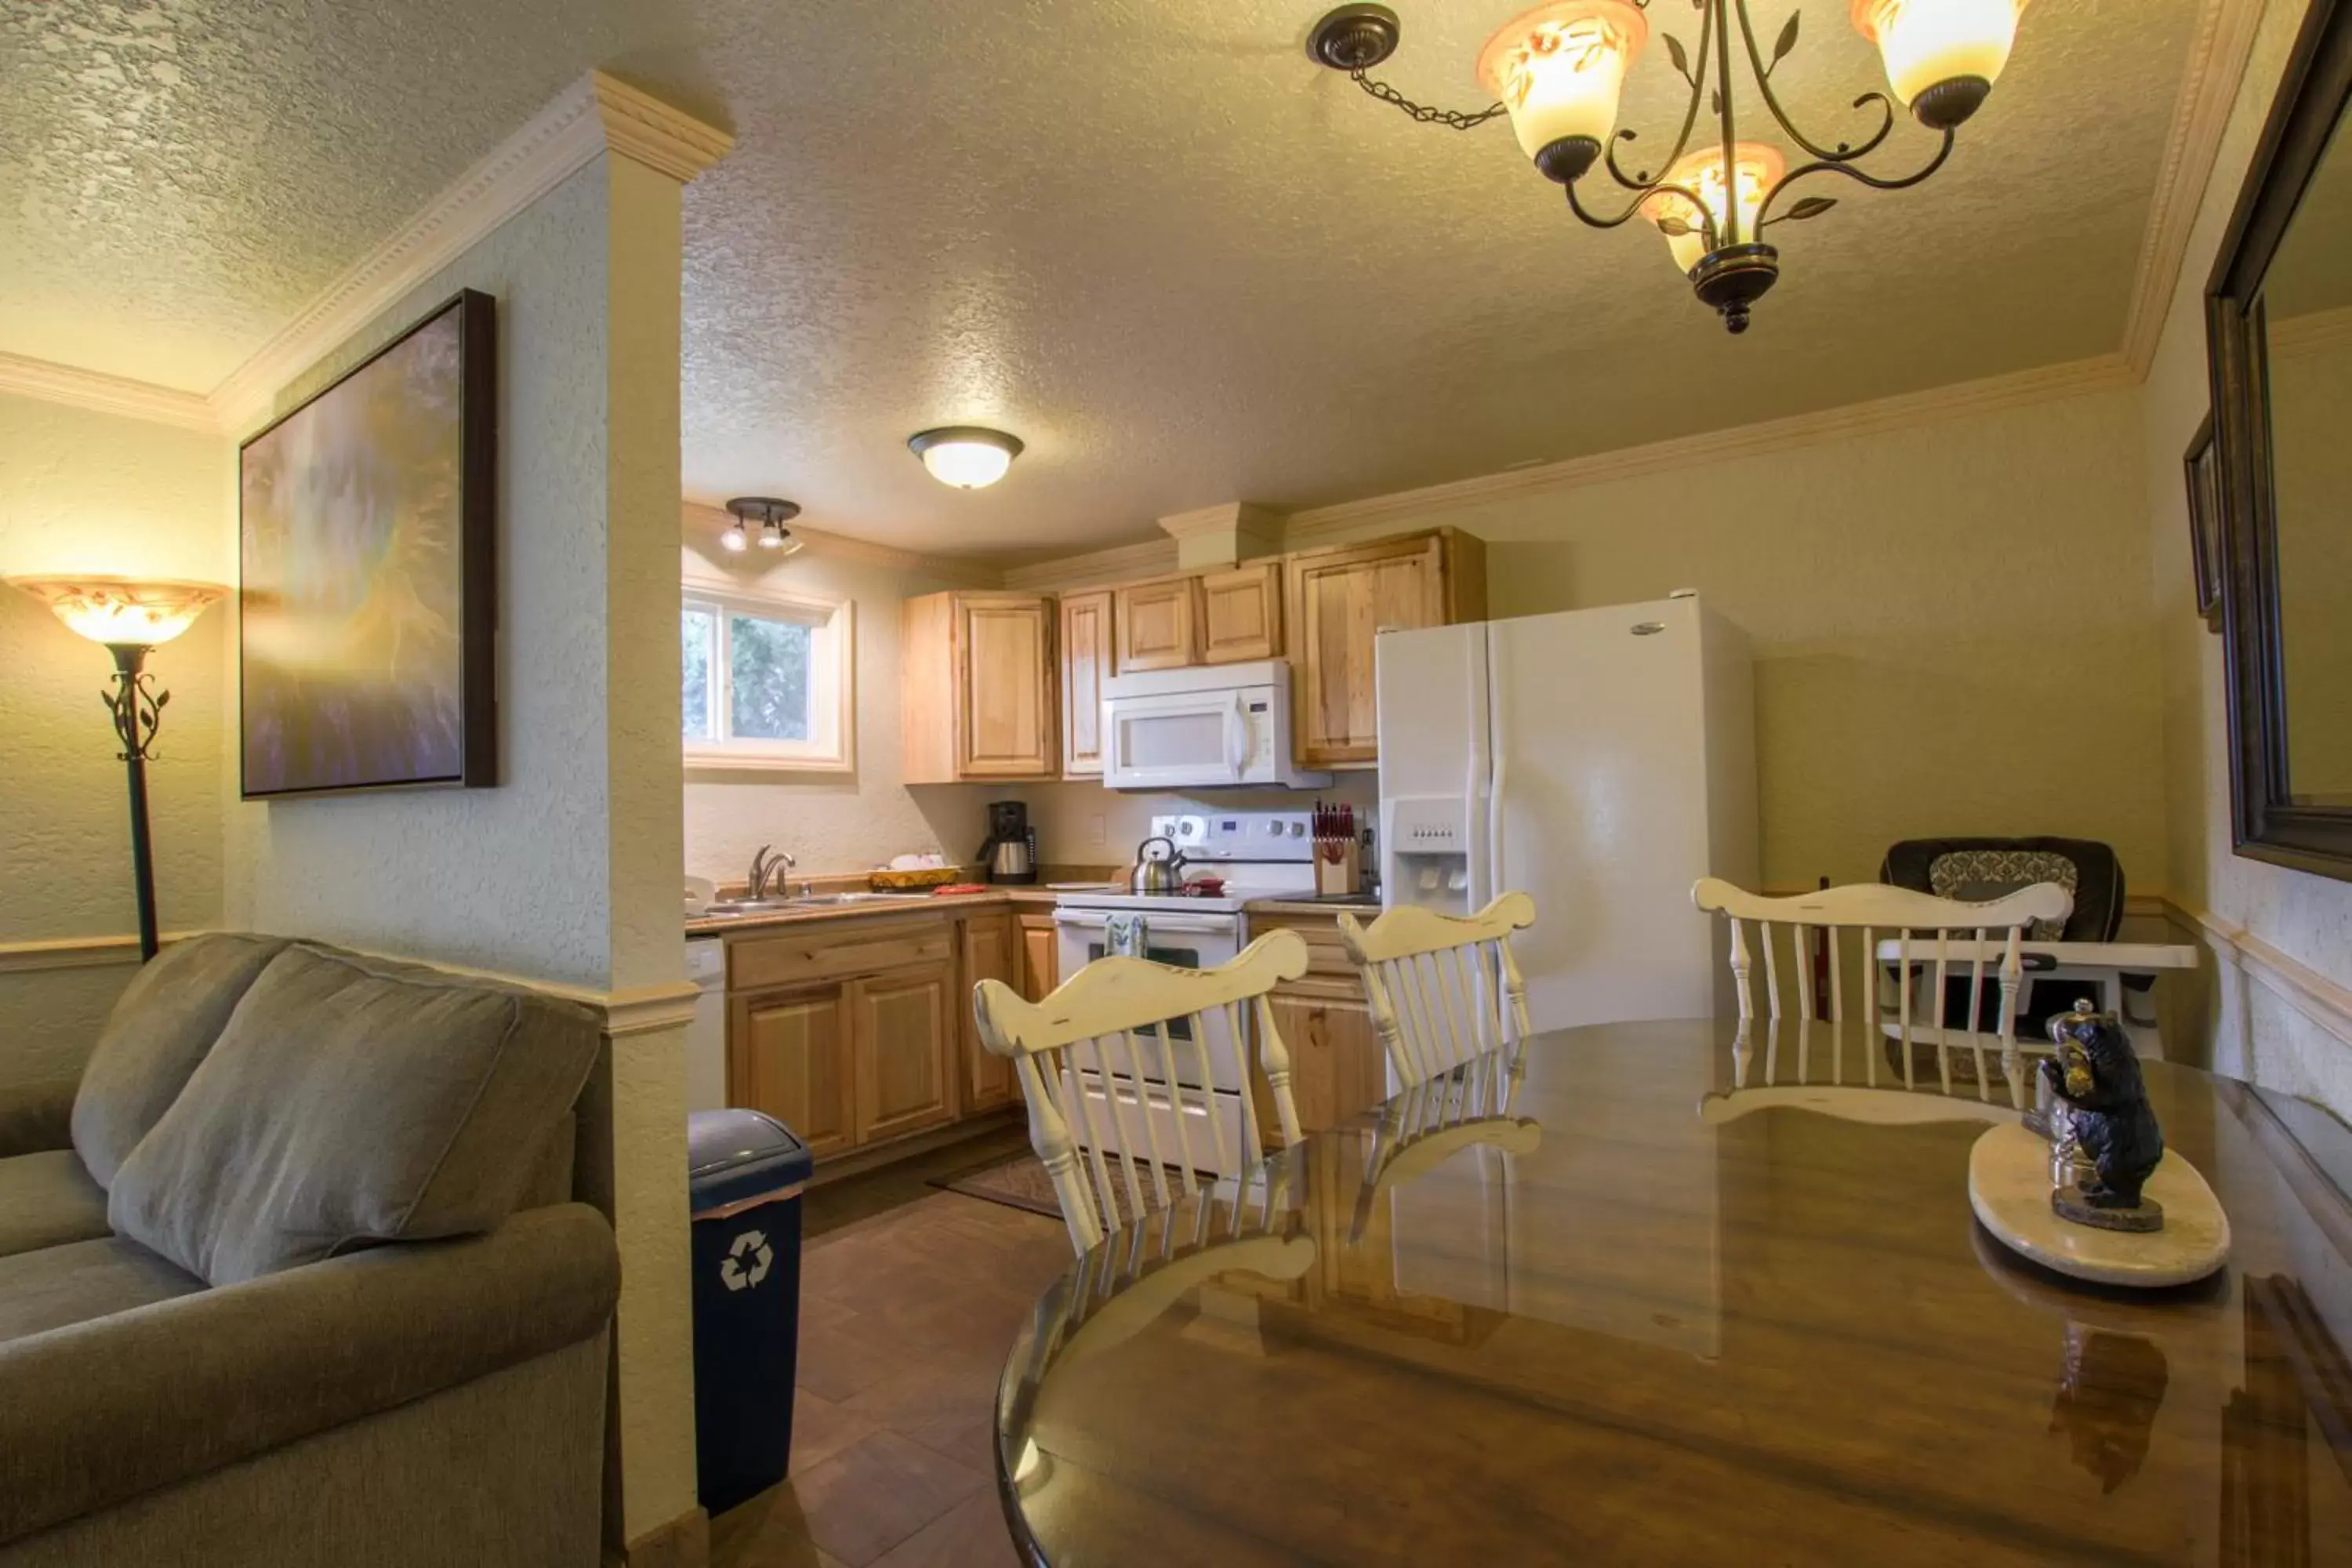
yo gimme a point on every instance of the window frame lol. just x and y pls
(832, 745)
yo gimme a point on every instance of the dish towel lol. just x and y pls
(1125, 936)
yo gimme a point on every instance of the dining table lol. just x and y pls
(1667, 1292)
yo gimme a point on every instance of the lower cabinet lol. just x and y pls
(1041, 962)
(901, 1028)
(789, 1054)
(1336, 1066)
(991, 952)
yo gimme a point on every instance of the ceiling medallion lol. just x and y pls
(768, 515)
(1558, 70)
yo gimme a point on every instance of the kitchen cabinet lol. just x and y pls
(1040, 958)
(1158, 624)
(1338, 601)
(1087, 660)
(977, 678)
(789, 1054)
(991, 951)
(1337, 1065)
(901, 1029)
(1241, 613)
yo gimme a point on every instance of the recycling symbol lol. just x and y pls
(731, 1270)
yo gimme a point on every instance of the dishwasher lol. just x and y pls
(706, 1037)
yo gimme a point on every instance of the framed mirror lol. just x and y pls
(2279, 327)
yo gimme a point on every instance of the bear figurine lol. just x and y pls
(2095, 1081)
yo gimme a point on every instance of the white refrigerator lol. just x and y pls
(1600, 760)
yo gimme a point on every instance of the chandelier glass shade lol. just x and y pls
(123, 610)
(1559, 70)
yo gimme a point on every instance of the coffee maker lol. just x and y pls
(1010, 852)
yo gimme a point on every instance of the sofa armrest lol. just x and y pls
(36, 1116)
(96, 1413)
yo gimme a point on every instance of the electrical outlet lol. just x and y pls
(1096, 830)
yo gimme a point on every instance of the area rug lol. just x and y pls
(1019, 1181)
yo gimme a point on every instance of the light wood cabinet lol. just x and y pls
(976, 688)
(1087, 660)
(991, 951)
(1041, 960)
(901, 1028)
(1241, 613)
(1337, 1065)
(1159, 624)
(789, 1054)
(1337, 602)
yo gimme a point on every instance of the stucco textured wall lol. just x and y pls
(82, 491)
(2241, 1024)
(1949, 632)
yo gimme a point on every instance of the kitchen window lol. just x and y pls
(767, 681)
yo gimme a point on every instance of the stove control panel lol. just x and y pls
(1239, 835)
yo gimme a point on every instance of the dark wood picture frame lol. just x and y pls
(2266, 823)
(478, 729)
(2202, 469)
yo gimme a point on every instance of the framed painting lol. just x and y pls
(2203, 468)
(367, 584)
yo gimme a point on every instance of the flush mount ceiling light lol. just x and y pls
(1558, 70)
(965, 456)
(768, 515)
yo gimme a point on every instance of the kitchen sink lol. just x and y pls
(745, 906)
(829, 901)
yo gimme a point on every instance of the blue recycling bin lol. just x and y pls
(745, 1173)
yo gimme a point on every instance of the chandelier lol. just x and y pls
(1556, 72)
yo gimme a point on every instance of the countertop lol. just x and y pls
(1364, 904)
(949, 903)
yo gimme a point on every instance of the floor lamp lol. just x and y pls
(129, 616)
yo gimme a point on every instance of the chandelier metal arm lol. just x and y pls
(1452, 119)
(1656, 188)
(1845, 152)
(1697, 78)
(1846, 167)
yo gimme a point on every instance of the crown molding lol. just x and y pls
(105, 393)
(640, 126)
(700, 519)
(2200, 117)
(1151, 558)
(1963, 400)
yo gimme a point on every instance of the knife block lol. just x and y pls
(1344, 875)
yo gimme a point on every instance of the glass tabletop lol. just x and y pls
(1631, 1303)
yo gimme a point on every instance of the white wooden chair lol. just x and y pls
(1115, 1022)
(1442, 988)
(1903, 915)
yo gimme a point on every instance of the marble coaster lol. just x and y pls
(2008, 1187)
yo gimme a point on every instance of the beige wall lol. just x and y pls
(82, 491)
(1948, 629)
(2246, 1022)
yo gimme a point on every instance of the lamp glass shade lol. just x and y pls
(1925, 42)
(966, 456)
(733, 540)
(1559, 68)
(1756, 168)
(123, 609)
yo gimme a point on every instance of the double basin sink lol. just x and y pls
(722, 909)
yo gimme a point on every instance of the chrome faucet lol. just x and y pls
(767, 867)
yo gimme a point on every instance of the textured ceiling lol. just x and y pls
(1149, 237)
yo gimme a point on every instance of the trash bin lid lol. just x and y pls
(735, 1156)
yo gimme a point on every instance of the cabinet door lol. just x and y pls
(788, 1054)
(1004, 687)
(1159, 624)
(1338, 601)
(903, 1025)
(1337, 1067)
(1040, 957)
(1241, 613)
(1086, 663)
(991, 952)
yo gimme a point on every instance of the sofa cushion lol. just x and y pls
(347, 1102)
(84, 1279)
(167, 1019)
(47, 1200)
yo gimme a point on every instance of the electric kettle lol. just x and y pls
(1162, 876)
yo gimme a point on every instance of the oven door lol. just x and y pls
(1188, 740)
(1181, 941)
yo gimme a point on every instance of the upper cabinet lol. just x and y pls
(1159, 624)
(1338, 601)
(1241, 613)
(1086, 663)
(976, 681)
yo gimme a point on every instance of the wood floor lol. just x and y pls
(910, 1299)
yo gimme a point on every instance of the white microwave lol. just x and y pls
(1222, 726)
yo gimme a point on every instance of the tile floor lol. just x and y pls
(910, 1299)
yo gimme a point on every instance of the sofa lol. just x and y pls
(292, 1274)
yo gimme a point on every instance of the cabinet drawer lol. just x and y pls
(817, 954)
(1327, 958)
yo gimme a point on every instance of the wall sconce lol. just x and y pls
(129, 616)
